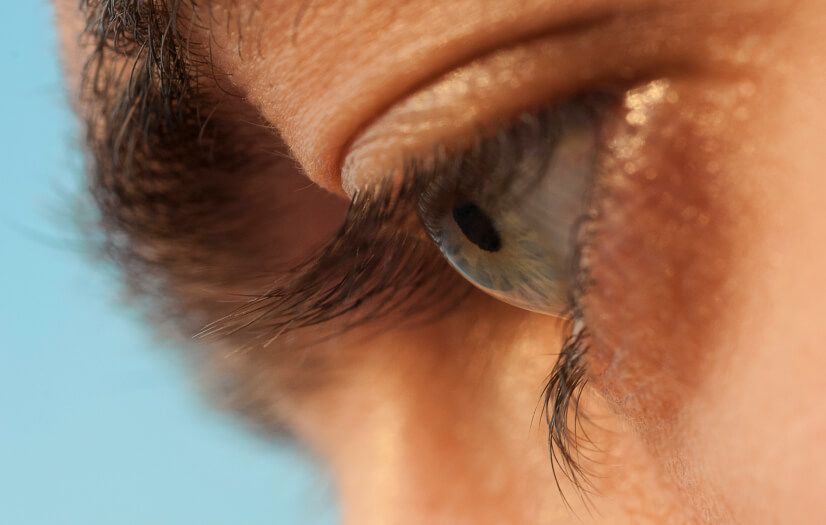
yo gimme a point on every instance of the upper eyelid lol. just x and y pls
(631, 47)
(472, 42)
(485, 93)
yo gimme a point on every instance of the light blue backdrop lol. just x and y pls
(99, 424)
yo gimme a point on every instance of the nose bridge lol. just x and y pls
(432, 449)
(402, 460)
(409, 466)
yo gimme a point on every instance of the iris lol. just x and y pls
(504, 213)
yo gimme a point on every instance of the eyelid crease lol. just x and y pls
(568, 23)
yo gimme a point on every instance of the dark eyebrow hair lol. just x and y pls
(183, 173)
(168, 161)
(152, 85)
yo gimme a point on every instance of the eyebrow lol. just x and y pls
(166, 163)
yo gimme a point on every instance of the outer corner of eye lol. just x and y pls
(505, 213)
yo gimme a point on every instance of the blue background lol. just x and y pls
(99, 422)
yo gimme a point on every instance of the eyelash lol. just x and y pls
(379, 264)
(346, 277)
(375, 266)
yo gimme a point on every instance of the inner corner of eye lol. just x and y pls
(504, 214)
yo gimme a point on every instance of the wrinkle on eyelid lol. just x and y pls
(451, 107)
(475, 98)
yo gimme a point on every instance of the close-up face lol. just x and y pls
(539, 261)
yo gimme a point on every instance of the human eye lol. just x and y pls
(579, 173)
(501, 210)
(504, 212)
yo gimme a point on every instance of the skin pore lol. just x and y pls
(703, 249)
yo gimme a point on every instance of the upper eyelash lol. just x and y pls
(372, 268)
(378, 263)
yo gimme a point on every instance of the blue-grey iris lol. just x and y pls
(507, 220)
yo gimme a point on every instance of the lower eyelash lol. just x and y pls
(561, 410)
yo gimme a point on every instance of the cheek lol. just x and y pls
(675, 216)
(706, 309)
(659, 248)
(761, 421)
(443, 425)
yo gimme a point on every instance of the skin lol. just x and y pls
(706, 361)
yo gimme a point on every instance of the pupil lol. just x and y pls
(477, 226)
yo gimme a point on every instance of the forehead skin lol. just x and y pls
(722, 330)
